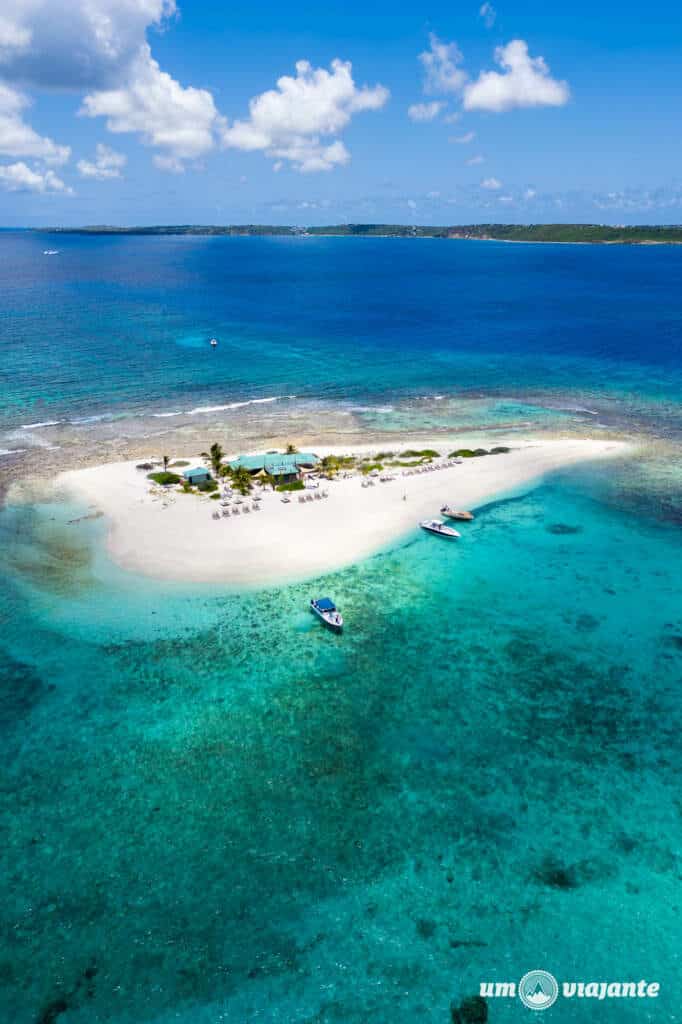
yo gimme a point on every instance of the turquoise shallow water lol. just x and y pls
(213, 811)
(216, 814)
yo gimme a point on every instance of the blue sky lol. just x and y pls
(155, 111)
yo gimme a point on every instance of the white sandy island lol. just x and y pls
(176, 537)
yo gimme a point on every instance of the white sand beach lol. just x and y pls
(174, 536)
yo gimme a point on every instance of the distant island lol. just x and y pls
(581, 233)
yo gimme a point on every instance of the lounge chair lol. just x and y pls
(226, 513)
(318, 496)
(301, 499)
(236, 512)
(246, 509)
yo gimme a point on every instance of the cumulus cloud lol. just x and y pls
(474, 160)
(19, 177)
(524, 82)
(463, 140)
(492, 184)
(107, 164)
(99, 47)
(425, 111)
(488, 13)
(17, 138)
(178, 120)
(297, 121)
(81, 45)
(440, 63)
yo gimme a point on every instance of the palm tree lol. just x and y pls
(241, 480)
(268, 478)
(166, 460)
(215, 454)
(292, 449)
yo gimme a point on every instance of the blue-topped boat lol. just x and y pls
(326, 610)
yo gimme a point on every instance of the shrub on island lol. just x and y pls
(295, 485)
(179, 463)
(164, 479)
(206, 486)
(425, 453)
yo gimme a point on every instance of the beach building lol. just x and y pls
(284, 467)
(198, 475)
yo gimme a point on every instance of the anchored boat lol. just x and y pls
(326, 610)
(438, 527)
(452, 513)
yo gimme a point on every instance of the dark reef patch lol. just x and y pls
(563, 529)
(21, 688)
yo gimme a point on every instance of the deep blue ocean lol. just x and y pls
(210, 815)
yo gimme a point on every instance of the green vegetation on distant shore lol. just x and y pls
(640, 234)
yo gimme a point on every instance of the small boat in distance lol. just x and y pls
(451, 513)
(50, 252)
(214, 343)
(326, 610)
(438, 527)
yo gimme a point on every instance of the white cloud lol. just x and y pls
(524, 82)
(107, 164)
(488, 13)
(505, 199)
(180, 121)
(79, 44)
(492, 184)
(412, 204)
(99, 47)
(17, 138)
(474, 160)
(291, 121)
(463, 140)
(530, 193)
(453, 118)
(440, 63)
(19, 177)
(425, 111)
(13, 36)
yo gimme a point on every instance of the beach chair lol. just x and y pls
(301, 499)
(255, 508)
(318, 496)
(226, 513)
(308, 497)
(246, 509)
(236, 512)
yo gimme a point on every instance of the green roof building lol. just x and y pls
(283, 467)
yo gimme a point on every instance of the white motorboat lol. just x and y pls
(326, 610)
(213, 343)
(438, 527)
